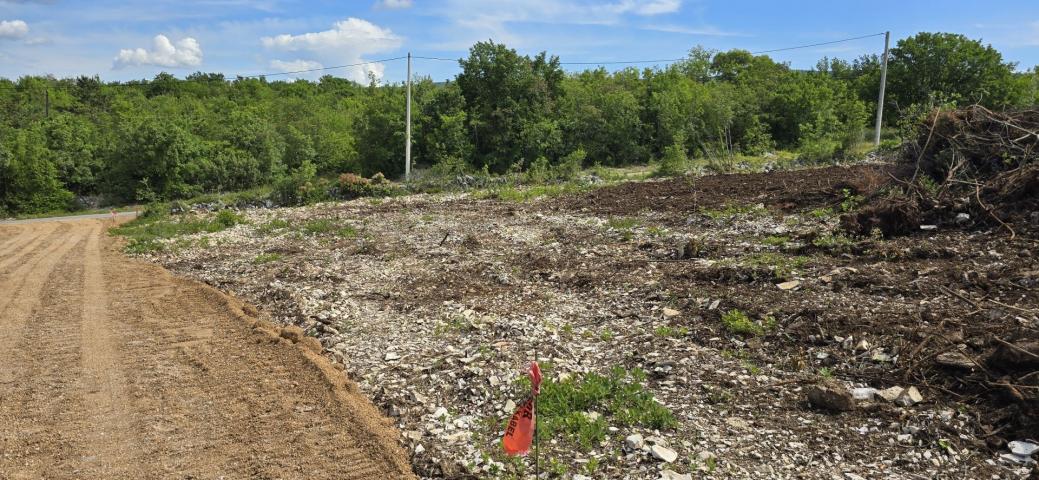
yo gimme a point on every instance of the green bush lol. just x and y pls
(674, 162)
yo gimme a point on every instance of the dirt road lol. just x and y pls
(112, 368)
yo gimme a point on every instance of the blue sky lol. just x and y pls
(138, 39)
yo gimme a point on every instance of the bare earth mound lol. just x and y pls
(115, 369)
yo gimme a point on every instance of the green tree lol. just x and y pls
(150, 162)
(30, 180)
(944, 67)
(510, 100)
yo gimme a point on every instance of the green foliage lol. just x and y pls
(738, 322)
(564, 406)
(326, 226)
(28, 179)
(674, 162)
(166, 139)
(942, 67)
(266, 258)
(667, 331)
(146, 234)
(734, 210)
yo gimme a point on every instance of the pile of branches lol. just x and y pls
(970, 161)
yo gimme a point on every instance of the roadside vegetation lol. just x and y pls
(169, 139)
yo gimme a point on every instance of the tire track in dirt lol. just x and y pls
(112, 436)
(22, 247)
(9, 237)
(40, 376)
(22, 289)
(117, 369)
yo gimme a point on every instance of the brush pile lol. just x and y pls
(970, 167)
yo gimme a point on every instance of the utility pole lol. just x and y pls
(883, 84)
(407, 128)
(47, 103)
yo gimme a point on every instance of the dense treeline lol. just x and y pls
(169, 138)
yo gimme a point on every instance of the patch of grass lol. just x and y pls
(821, 213)
(776, 240)
(145, 234)
(667, 331)
(751, 367)
(730, 211)
(606, 335)
(832, 241)
(326, 226)
(564, 406)
(622, 223)
(826, 372)
(738, 322)
(783, 267)
(267, 258)
(655, 231)
(273, 226)
(511, 193)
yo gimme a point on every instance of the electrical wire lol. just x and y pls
(442, 59)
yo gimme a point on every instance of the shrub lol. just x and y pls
(674, 162)
(228, 218)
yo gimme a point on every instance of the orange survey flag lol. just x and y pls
(520, 431)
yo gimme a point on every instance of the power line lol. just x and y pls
(322, 68)
(670, 60)
(442, 59)
(817, 44)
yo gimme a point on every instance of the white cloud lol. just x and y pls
(655, 7)
(10, 29)
(705, 30)
(393, 4)
(295, 65)
(346, 43)
(185, 53)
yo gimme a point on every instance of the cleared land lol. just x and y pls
(111, 368)
(437, 302)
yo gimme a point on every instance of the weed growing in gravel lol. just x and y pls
(325, 226)
(831, 241)
(267, 258)
(655, 231)
(783, 267)
(671, 332)
(273, 226)
(731, 211)
(776, 240)
(821, 213)
(510, 193)
(736, 321)
(624, 225)
(145, 233)
(577, 408)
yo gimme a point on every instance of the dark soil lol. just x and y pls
(786, 190)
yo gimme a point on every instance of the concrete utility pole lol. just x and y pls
(407, 128)
(883, 83)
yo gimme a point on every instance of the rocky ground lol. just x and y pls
(730, 299)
